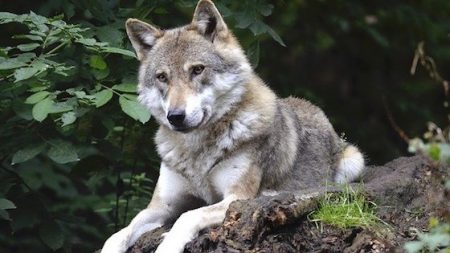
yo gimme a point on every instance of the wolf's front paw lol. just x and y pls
(117, 243)
(174, 242)
(170, 247)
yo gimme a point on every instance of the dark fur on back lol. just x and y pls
(317, 147)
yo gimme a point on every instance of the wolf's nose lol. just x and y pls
(176, 117)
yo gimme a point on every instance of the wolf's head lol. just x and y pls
(189, 76)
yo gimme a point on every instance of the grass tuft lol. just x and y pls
(346, 209)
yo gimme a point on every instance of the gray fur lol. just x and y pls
(318, 148)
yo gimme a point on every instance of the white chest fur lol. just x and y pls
(208, 165)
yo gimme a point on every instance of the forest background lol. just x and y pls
(77, 156)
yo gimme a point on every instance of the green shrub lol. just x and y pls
(77, 155)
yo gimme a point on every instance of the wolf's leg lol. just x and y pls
(191, 222)
(350, 165)
(169, 200)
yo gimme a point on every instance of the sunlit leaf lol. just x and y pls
(126, 87)
(28, 36)
(12, 63)
(102, 97)
(28, 47)
(28, 72)
(6, 204)
(68, 118)
(36, 97)
(42, 109)
(60, 107)
(134, 109)
(118, 51)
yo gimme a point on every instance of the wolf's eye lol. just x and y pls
(197, 70)
(162, 77)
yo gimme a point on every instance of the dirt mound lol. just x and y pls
(407, 191)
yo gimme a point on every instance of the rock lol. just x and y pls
(407, 191)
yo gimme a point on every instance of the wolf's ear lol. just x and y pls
(208, 20)
(142, 36)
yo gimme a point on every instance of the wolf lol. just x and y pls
(224, 135)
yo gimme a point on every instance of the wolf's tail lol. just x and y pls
(350, 165)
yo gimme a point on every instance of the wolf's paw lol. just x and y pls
(174, 241)
(117, 243)
(169, 246)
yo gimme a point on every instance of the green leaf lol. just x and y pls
(115, 50)
(51, 234)
(243, 20)
(7, 15)
(102, 97)
(68, 118)
(28, 36)
(38, 33)
(265, 9)
(223, 9)
(80, 94)
(28, 72)
(60, 107)
(38, 88)
(110, 34)
(62, 152)
(97, 62)
(258, 27)
(12, 63)
(27, 153)
(275, 36)
(42, 109)
(126, 87)
(37, 97)
(100, 74)
(4, 215)
(37, 19)
(6, 204)
(28, 47)
(87, 42)
(133, 109)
